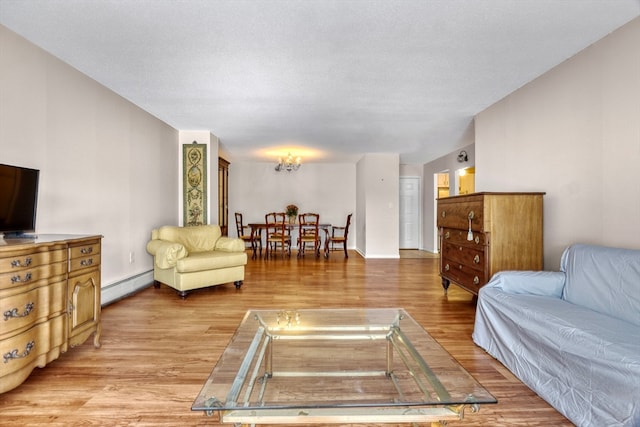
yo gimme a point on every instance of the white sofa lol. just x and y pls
(187, 258)
(572, 336)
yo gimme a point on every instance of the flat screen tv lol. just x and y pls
(18, 200)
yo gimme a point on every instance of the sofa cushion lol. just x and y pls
(198, 238)
(606, 280)
(200, 261)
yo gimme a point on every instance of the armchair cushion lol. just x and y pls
(201, 261)
(229, 244)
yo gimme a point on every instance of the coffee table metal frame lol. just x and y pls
(419, 393)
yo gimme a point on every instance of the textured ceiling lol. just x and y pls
(329, 80)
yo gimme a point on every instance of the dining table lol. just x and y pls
(256, 233)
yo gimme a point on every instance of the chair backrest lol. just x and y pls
(239, 225)
(346, 227)
(308, 224)
(275, 223)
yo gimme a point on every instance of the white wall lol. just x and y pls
(378, 188)
(106, 166)
(326, 188)
(575, 133)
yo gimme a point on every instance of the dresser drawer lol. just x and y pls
(27, 276)
(77, 264)
(25, 348)
(463, 275)
(470, 257)
(460, 236)
(27, 259)
(21, 311)
(83, 250)
(456, 214)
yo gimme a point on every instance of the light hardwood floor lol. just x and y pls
(157, 349)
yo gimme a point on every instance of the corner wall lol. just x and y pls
(377, 213)
(574, 133)
(106, 166)
(449, 164)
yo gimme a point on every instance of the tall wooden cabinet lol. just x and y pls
(49, 301)
(483, 233)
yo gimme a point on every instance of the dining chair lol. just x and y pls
(277, 233)
(244, 233)
(308, 233)
(337, 236)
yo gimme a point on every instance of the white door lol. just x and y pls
(410, 229)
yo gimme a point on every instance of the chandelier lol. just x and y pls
(288, 164)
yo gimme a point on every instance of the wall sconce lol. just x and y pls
(462, 157)
(288, 164)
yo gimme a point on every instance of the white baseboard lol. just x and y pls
(116, 291)
(377, 256)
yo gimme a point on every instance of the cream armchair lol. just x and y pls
(187, 258)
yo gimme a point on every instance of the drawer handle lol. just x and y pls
(447, 235)
(86, 262)
(14, 312)
(86, 251)
(15, 355)
(18, 279)
(446, 267)
(18, 263)
(444, 214)
(476, 280)
(471, 214)
(476, 259)
(477, 240)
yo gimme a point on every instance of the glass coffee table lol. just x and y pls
(336, 366)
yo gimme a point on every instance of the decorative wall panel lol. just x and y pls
(194, 181)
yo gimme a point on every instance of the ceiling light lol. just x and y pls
(289, 164)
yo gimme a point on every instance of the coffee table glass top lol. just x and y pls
(335, 358)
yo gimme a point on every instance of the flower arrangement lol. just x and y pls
(292, 211)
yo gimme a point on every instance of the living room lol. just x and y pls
(109, 167)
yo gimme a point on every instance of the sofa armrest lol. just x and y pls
(166, 254)
(229, 244)
(543, 283)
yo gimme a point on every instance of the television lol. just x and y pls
(18, 200)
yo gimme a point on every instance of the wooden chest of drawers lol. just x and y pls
(483, 233)
(49, 301)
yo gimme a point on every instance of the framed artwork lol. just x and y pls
(194, 182)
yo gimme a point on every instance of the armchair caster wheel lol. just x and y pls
(238, 284)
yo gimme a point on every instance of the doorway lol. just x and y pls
(466, 180)
(410, 213)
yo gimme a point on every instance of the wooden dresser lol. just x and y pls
(483, 233)
(49, 301)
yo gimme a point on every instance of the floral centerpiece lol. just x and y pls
(292, 213)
